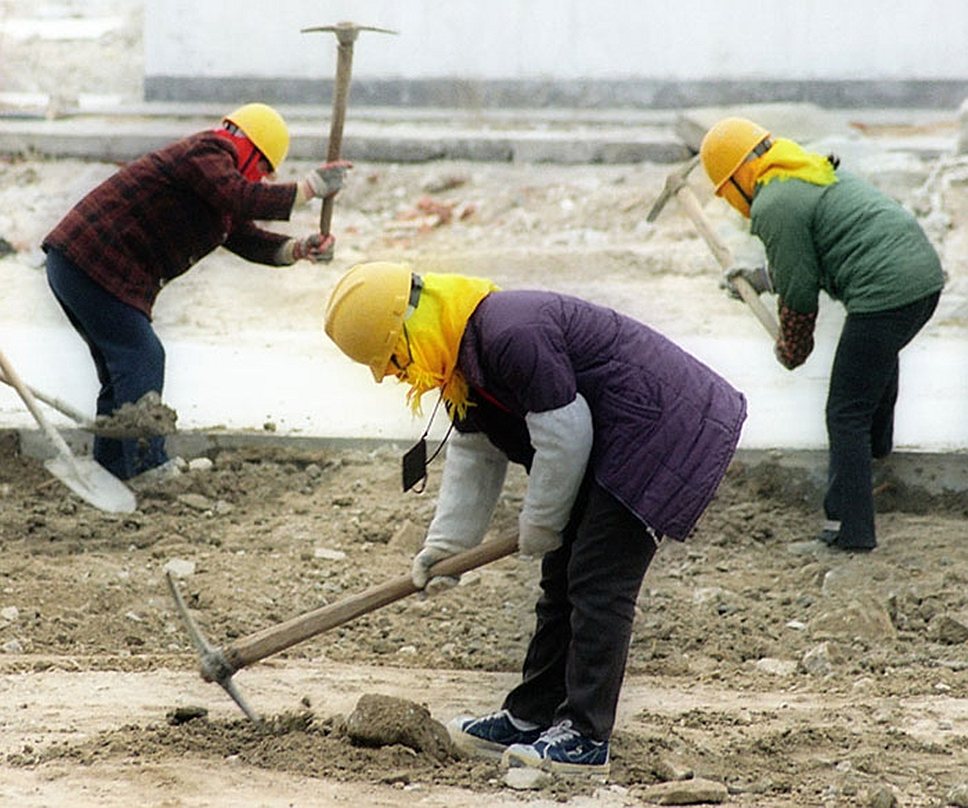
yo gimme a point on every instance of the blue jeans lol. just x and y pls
(860, 412)
(128, 356)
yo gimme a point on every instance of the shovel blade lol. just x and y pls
(93, 483)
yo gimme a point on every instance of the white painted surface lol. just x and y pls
(300, 383)
(563, 39)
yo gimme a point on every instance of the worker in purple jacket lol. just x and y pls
(625, 438)
(152, 221)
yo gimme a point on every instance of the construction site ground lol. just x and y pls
(781, 673)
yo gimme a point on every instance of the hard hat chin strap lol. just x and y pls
(757, 151)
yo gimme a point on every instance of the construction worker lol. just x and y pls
(625, 438)
(827, 230)
(152, 221)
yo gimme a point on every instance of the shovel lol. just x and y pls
(103, 426)
(63, 407)
(219, 664)
(83, 475)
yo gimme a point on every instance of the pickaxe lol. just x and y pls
(346, 34)
(676, 185)
(219, 664)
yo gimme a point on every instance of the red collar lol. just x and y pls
(247, 155)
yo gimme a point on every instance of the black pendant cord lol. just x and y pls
(415, 460)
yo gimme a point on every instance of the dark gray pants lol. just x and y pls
(575, 662)
(860, 412)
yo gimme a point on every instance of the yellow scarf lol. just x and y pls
(787, 160)
(434, 332)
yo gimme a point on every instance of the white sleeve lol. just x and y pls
(562, 441)
(474, 471)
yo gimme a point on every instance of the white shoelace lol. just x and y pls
(562, 731)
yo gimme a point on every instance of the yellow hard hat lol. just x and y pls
(364, 315)
(724, 151)
(265, 128)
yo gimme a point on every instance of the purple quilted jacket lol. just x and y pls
(665, 425)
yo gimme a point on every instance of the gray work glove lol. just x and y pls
(316, 248)
(420, 571)
(534, 540)
(758, 278)
(327, 179)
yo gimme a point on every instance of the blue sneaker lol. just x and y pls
(562, 750)
(490, 735)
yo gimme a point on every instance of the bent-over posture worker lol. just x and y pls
(625, 438)
(827, 230)
(150, 222)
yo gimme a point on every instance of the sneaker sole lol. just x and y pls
(512, 759)
(474, 746)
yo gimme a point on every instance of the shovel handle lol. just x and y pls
(14, 380)
(272, 640)
(61, 406)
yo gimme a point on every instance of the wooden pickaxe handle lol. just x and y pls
(341, 93)
(272, 640)
(722, 253)
(346, 34)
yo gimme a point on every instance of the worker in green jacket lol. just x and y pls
(825, 230)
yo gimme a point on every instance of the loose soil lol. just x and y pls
(790, 674)
(793, 675)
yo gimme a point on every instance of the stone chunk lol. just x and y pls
(686, 792)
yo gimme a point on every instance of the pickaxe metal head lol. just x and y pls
(347, 32)
(673, 183)
(213, 664)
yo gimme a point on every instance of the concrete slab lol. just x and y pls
(270, 384)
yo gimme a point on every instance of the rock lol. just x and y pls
(778, 667)
(881, 797)
(180, 567)
(182, 715)
(196, 502)
(671, 770)
(958, 796)
(686, 792)
(822, 659)
(10, 613)
(380, 720)
(329, 555)
(200, 464)
(12, 647)
(525, 778)
(947, 630)
(867, 620)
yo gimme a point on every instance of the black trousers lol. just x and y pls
(575, 662)
(860, 411)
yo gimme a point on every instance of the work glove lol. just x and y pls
(327, 179)
(758, 278)
(534, 540)
(420, 571)
(316, 248)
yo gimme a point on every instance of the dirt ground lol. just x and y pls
(786, 674)
(790, 675)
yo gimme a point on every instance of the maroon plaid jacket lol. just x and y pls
(159, 215)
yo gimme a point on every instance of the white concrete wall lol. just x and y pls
(885, 40)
